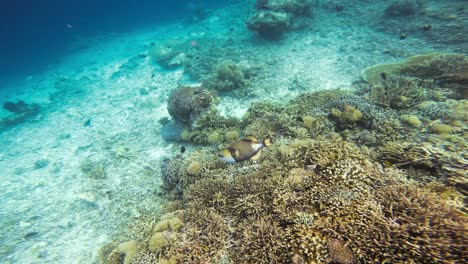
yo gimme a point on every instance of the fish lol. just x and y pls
(248, 148)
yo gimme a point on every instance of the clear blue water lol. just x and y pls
(35, 34)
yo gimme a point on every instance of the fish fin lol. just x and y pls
(251, 139)
(256, 156)
(234, 152)
(267, 142)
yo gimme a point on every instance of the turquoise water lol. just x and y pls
(82, 160)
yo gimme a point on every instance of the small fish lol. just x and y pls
(247, 148)
(87, 122)
(383, 75)
(182, 149)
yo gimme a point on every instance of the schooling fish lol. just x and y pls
(247, 148)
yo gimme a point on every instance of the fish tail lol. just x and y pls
(267, 142)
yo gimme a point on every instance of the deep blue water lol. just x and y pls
(35, 33)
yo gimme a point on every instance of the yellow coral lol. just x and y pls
(412, 120)
(285, 150)
(441, 129)
(129, 249)
(159, 241)
(194, 168)
(173, 224)
(232, 135)
(308, 121)
(214, 137)
(185, 135)
(349, 115)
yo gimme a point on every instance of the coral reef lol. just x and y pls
(273, 18)
(397, 92)
(228, 76)
(352, 177)
(170, 54)
(402, 223)
(269, 24)
(448, 167)
(401, 9)
(448, 70)
(21, 112)
(186, 104)
(348, 115)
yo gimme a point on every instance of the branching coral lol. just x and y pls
(448, 166)
(397, 92)
(406, 223)
(447, 70)
(382, 122)
(266, 242)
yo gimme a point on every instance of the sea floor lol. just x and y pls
(87, 166)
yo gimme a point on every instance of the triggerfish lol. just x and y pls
(247, 148)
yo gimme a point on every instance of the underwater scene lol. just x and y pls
(237, 131)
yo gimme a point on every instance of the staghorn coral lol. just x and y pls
(447, 166)
(446, 70)
(307, 244)
(204, 237)
(339, 252)
(397, 92)
(405, 223)
(266, 242)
